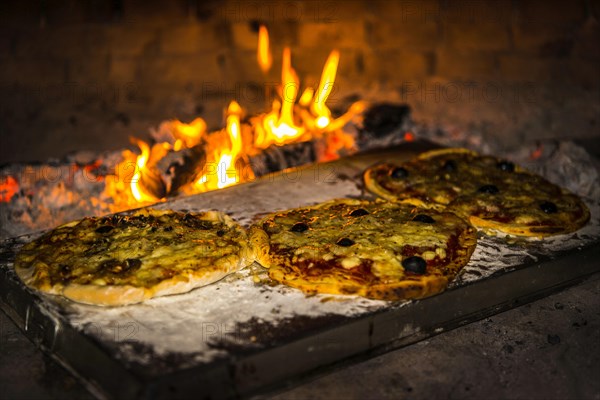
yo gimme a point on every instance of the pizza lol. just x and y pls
(493, 194)
(375, 249)
(125, 259)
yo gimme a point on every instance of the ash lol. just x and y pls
(56, 192)
(203, 322)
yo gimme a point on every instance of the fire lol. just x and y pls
(8, 188)
(221, 168)
(135, 180)
(264, 54)
(278, 126)
(306, 97)
(187, 135)
(322, 113)
(222, 157)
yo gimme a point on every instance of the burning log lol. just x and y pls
(179, 168)
(277, 158)
(150, 182)
(385, 124)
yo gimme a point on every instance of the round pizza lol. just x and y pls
(491, 193)
(125, 259)
(379, 250)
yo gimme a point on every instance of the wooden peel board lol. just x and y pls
(245, 335)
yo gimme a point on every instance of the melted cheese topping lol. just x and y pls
(491, 192)
(140, 250)
(378, 241)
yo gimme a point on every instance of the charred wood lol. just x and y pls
(277, 158)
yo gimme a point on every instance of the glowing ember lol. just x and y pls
(537, 153)
(8, 188)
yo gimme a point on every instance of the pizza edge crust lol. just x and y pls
(441, 152)
(373, 186)
(119, 295)
(536, 231)
(116, 295)
(260, 244)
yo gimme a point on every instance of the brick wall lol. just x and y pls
(75, 72)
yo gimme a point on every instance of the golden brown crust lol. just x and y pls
(118, 260)
(259, 243)
(379, 237)
(492, 193)
(445, 151)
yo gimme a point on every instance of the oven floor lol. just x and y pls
(549, 348)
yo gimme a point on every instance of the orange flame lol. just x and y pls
(285, 127)
(188, 135)
(279, 126)
(137, 189)
(220, 168)
(306, 97)
(320, 110)
(223, 156)
(264, 54)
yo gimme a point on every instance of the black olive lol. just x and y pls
(548, 207)
(359, 212)
(415, 264)
(64, 272)
(133, 263)
(489, 189)
(64, 269)
(506, 166)
(399, 173)
(111, 265)
(299, 227)
(168, 228)
(105, 229)
(450, 166)
(426, 219)
(345, 242)
(220, 233)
